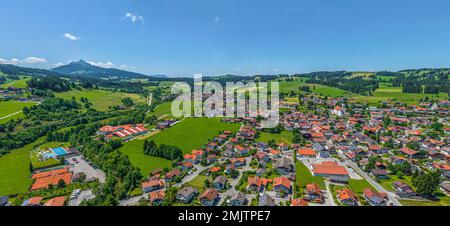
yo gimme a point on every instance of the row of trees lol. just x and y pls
(162, 151)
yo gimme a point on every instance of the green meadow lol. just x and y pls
(11, 107)
(101, 99)
(21, 83)
(193, 133)
(283, 137)
(135, 152)
(383, 94)
(15, 171)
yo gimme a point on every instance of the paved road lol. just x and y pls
(329, 195)
(84, 195)
(376, 185)
(233, 182)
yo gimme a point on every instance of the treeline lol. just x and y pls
(162, 151)
(343, 80)
(49, 83)
(429, 82)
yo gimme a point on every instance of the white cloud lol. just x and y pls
(34, 60)
(102, 64)
(216, 19)
(58, 64)
(275, 70)
(126, 67)
(71, 37)
(134, 17)
(13, 61)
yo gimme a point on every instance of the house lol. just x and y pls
(186, 194)
(374, 198)
(266, 200)
(409, 152)
(157, 197)
(220, 183)
(445, 187)
(331, 170)
(403, 190)
(209, 197)
(379, 173)
(257, 184)
(339, 111)
(172, 175)
(283, 166)
(282, 185)
(35, 201)
(314, 194)
(57, 201)
(306, 153)
(238, 199)
(238, 162)
(347, 197)
(4, 200)
(152, 185)
(186, 166)
(241, 150)
(299, 202)
(262, 156)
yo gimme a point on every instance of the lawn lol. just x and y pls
(193, 133)
(135, 152)
(101, 99)
(15, 171)
(37, 164)
(198, 182)
(387, 183)
(395, 94)
(21, 83)
(304, 177)
(11, 107)
(288, 86)
(444, 201)
(283, 137)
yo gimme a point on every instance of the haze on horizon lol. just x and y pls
(181, 38)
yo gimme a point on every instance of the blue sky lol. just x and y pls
(244, 37)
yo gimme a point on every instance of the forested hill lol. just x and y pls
(83, 68)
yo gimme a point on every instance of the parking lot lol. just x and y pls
(84, 195)
(79, 165)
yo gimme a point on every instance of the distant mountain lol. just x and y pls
(16, 70)
(83, 68)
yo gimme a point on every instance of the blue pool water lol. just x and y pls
(59, 151)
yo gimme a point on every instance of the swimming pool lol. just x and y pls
(59, 151)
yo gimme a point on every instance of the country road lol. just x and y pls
(1, 118)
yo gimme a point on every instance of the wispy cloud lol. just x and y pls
(134, 17)
(28, 60)
(58, 64)
(12, 61)
(34, 60)
(71, 37)
(106, 64)
(126, 67)
(216, 19)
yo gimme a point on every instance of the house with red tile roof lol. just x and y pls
(257, 184)
(314, 194)
(299, 202)
(409, 152)
(282, 185)
(306, 153)
(331, 170)
(157, 197)
(347, 197)
(152, 185)
(34, 201)
(209, 197)
(57, 201)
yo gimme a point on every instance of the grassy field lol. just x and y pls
(21, 83)
(283, 137)
(101, 99)
(387, 183)
(193, 133)
(304, 177)
(15, 171)
(11, 107)
(288, 86)
(395, 94)
(135, 152)
(34, 156)
(198, 182)
(444, 201)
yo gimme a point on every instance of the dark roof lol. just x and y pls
(4, 200)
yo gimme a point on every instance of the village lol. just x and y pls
(341, 154)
